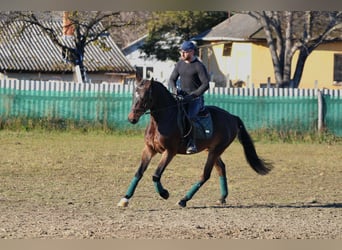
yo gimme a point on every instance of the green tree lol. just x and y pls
(168, 29)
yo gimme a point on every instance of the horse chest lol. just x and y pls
(162, 137)
(154, 141)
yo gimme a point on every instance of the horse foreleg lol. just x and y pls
(146, 157)
(204, 177)
(221, 169)
(167, 156)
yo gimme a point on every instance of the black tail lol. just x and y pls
(259, 165)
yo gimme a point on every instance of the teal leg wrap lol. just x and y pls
(193, 190)
(223, 186)
(158, 186)
(132, 187)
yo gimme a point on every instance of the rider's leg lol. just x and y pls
(193, 108)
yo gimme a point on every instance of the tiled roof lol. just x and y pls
(33, 50)
(239, 27)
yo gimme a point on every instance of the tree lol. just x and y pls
(167, 29)
(85, 28)
(290, 31)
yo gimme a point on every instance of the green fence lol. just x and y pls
(280, 113)
(86, 106)
(258, 108)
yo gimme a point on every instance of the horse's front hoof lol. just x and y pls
(221, 202)
(123, 202)
(182, 203)
(165, 194)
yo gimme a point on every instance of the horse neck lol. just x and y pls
(165, 107)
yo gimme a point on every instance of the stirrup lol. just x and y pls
(191, 149)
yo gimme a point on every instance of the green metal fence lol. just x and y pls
(258, 108)
(78, 106)
(280, 113)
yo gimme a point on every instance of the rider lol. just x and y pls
(194, 81)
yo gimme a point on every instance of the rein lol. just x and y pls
(147, 112)
(145, 109)
(181, 109)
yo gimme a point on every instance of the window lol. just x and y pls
(140, 71)
(149, 72)
(338, 67)
(227, 49)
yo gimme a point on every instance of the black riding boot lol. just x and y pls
(191, 147)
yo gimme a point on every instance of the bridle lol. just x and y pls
(146, 104)
(148, 101)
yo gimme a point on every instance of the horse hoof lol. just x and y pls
(123, 202)
(182, 203)
(165, 194)
(221, 202)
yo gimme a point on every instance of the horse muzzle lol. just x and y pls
(133, 118)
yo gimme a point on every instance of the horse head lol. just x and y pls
(142, 99)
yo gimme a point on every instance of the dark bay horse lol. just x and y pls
(163, 136)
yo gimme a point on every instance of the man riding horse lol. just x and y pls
(194, 81)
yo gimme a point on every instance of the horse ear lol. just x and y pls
(152, 80)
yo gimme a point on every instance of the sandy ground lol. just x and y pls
(70, 188)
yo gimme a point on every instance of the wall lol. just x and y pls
(262, 66)
(37, 76)
(236, 67)
(252, 63)
(161, 69)
(67, 77)
(320, 66)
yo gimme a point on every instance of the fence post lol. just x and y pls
(320, 111)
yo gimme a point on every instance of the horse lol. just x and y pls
(164, 136)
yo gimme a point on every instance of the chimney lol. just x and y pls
(68, 28)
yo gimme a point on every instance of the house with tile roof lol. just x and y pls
(236, 54)
(30, 54)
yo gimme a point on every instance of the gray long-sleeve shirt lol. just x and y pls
(194, 78)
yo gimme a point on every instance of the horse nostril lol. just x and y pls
(132, 120)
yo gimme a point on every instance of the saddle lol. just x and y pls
(203, 124)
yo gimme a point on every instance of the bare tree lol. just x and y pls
(84, 27)
(290, 31)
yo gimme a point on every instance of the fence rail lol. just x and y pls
(128, 88)
(110, 103)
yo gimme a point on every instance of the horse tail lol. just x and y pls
(259, 165)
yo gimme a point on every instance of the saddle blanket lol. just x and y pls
(203, 126)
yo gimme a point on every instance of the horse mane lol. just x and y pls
(161, 89)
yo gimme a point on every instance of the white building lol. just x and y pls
(148, 66)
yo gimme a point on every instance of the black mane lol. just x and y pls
(164, 96)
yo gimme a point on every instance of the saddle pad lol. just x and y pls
(204, 126)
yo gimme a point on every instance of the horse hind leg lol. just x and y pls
(204, 177)
(221, 169)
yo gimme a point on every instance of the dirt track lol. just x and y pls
(306, 221)
(70, 189)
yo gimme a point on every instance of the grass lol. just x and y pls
(21, 124)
